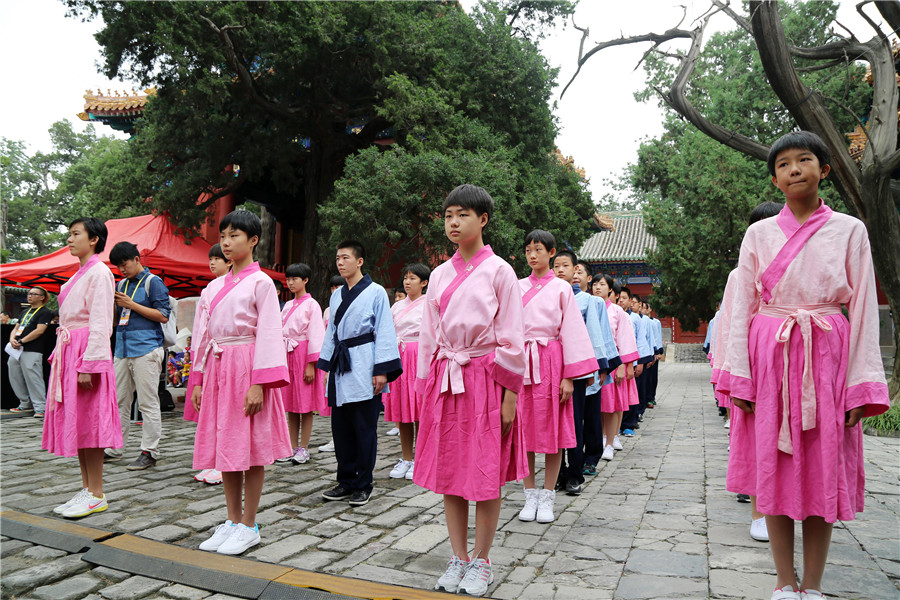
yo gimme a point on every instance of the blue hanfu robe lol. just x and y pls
(360, 342)
(645, 349)
(601, 337)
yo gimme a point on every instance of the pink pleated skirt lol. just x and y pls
(84, 418)
(548, 425)
(825, 475)
(460, 450)
(190, 413)
(616, 397)
(226, 439)
(401, 404)
(301, 397)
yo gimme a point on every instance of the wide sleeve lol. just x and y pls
(866, 385)
(198, 341)
(99, 288)
(269, 354)
(387, 351)
(578, 359)
(315, 330)
(431, 319)
(609, 340)
(745, 304)
(327, 350)
(723, 330)
(509, 331)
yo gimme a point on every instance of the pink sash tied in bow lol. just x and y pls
(533, 359)
(64, 335)
(456, 360)
(215, 346)
(804, 317)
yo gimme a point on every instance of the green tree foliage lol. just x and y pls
(44, 192)
(698, 193)
(274, 87)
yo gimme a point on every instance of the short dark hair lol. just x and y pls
(337, 281)
(471, 197)
(765, 210)
(587, 266)
(610, 282)
(399, 290)
(95, 229)
(417, 269)
(625, 289)
(5, 312)
(802, 140)
(242, 220)
(539, 236)
(565, 252)
(359, 251)
(123, 251)
(216, 250)
(637, 297)
(299, 269)
(44, 292)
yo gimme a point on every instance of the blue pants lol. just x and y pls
(354, 428)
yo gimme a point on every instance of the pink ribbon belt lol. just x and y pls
(64, 336)
(290, 344)
(456, 360)
(533, 359)
(215, 346)
(804, 316)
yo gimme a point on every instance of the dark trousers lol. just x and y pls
(593, 430)
(354, 428)
(573, 458)
(652, 381)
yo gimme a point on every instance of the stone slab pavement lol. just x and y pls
(656, 522)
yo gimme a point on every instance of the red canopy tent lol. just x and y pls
(184, 266)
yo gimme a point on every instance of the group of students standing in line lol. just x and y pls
(503, 369)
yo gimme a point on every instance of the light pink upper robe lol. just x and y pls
(304, 323)
(249, 310)
(553, 313)
(623, 332)
(721, 367)
(834, 266)
(407, 317)
(485, 312)
(89, 303)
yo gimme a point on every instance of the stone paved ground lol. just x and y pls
(656, 522)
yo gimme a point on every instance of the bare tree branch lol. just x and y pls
(890, 10)
(820, 67)
(873, 24)
(891, 164)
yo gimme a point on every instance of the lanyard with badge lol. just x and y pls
(126, 312)
(26, 320)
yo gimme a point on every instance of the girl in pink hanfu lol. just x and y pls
(82, 416)
(303, 330)
(218, 266)
(401, 404)
(805, 371)
(471, 368)
(241, 363)
(558, 349)
(622, 393)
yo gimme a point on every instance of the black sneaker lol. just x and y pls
(337, 493)
(589, 470)
(360, 498)
(143, 461)
(573, 488)
(744, 498)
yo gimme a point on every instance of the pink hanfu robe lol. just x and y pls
(303, 330)
(201, 320)
(793, 353)
(557, 346)
(241, 346)
(617, 397)
(401, 403)
(471, 348)
(77, 418)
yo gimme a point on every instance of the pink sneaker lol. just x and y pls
(213, 477)
(201, 475)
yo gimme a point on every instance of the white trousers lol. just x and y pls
(140, 373)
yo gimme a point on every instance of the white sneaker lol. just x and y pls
(213, 477)
(329, 447)
(811, 595)
(399, 471)
(202, 475)
(617, 444)
(238, 542)
(394, 431)
(529, 511)
(85, 505)
(412, 466)
(727, 424)
(545, 506)
(604, 441)
(449, 581)
(758, 530)
(222, 533)
(62, 507)
(608, 453)
(286, 459)
(786, 593)
(477, 578)
(301, 456)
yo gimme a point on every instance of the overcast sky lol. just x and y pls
(49, 61)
